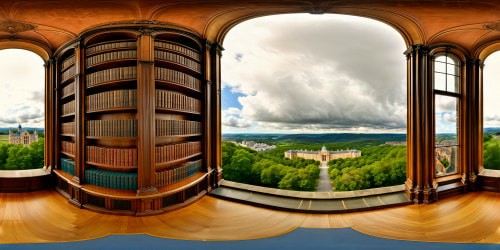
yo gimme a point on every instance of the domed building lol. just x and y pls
(324, 155)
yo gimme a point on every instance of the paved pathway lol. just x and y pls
(324, 184)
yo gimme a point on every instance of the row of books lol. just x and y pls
(68, 147)
(68, 73)
(177, 127)
(68, 89)
(68, 166)
(68, 108)
(112, 128)
(68, 62)
(110, 179)
(109, 46)
(110, 56)
(173, 152)
(178, 48)
(180, 173)
(176, 58)
(113, 74)
(178, 101)
(177, 77)
(122, 157)
(68, 128)
(112, 99)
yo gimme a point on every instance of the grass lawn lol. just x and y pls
(4, 139)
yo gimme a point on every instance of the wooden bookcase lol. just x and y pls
(130, 107)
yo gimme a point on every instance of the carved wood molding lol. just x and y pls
(14, 27)
(493, 26)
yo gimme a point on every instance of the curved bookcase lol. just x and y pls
(130, 121)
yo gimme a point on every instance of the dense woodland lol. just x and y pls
(16, 157)
(378, 166)
(492, 151)
(269, 169)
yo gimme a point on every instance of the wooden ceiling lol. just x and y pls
(470, 24)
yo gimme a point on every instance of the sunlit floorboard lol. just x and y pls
(46, 216)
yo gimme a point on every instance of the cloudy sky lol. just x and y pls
(491, 90)
(313, 74)
(22, 78)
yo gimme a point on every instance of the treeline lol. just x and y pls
(269, 169)
(377, 167)
(491, 151)
(16, 157)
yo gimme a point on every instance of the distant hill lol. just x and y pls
(491, 130)
(315, 138)
(6, 130)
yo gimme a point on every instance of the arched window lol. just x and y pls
(447, 103)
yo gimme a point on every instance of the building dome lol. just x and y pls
(323, 148)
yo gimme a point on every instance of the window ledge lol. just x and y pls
(24, 173)
(314, 195)
(489, 173)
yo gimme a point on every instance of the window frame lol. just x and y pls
(458, 95)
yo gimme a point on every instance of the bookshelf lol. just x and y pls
(130, 108)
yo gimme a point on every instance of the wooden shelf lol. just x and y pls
(68, 115)
(178, 136)
(111, 64)
(110, 138)
(109, 192)
(180, 53)
(109, 50)
(176, 66)
(65, 176)
(112, 110)
(178, 111)
(68, 96)
(67, 135)
(183, 184)
(114, 83)
(176, 86)
(67, 67)
(67, 81)
(164, 165)
(112, 167)
(68, 154)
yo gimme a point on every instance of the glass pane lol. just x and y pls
(440, 81)
(446, 120)
(452, 84)
(440, 67)
(441, 59)
(446, 160)
(452, 69)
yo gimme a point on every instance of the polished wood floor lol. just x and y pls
(45, 216)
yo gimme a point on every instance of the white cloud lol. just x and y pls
(335, 73)
(491, 90)
(22, 84)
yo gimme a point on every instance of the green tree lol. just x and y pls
(241, 166)
(19, 157)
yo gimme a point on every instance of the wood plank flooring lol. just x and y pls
(46, 216)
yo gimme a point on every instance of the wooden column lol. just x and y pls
(215, 110)
(420, 136)
(79, 115)
(145, 113)
(207, 108)
(473, 143)
(50, 85)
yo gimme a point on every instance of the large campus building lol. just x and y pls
(323, 155)
(100, 150)
(22, 137)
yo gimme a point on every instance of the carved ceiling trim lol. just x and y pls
(14, 27)
(493, 26)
